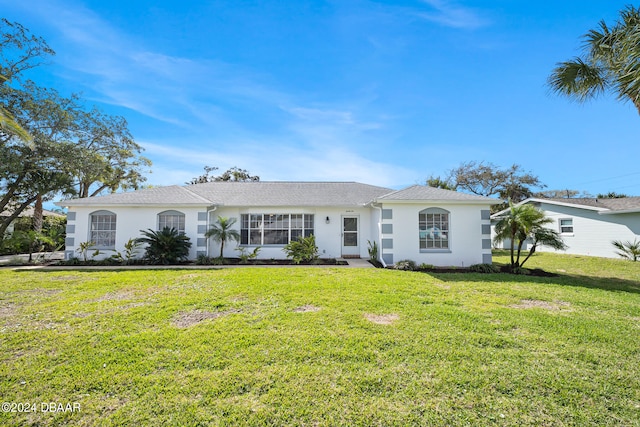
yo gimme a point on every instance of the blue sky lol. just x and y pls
(381, 92)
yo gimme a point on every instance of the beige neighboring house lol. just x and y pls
(423, 224)
(589, 225)
(28, 212)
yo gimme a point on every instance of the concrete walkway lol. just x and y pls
(358, 262)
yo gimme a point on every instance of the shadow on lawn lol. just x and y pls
(604, 283)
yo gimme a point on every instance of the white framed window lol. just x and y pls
(433, 229)
(274, 229)
(171, 219)
(102, 229)
(566, 225)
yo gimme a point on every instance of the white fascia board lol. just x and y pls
(438, 201)
(610, 212)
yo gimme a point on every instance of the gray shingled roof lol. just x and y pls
(261, 193)
(603, 206)
(421, 192)
(612, 205)
(171, 195)
(258, 193)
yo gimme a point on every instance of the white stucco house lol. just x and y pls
(424, 224)
(589, 225)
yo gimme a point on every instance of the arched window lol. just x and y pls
(433, 228)
(102, 229)
(171, 219)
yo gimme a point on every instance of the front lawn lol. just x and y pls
(323, 346)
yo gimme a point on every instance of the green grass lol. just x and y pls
(464, 349)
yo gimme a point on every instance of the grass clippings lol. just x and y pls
(308, 308)
(186, 319)
(532, 303)
(381, 319)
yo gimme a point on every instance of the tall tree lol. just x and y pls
(20, 50)
(609, 62)
(69, 150)
(437, 182)
(487, 179)
(107, 157)
(231, 174)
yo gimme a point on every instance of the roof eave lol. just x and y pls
(625, 211)
(448, 201)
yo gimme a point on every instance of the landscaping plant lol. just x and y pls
(303, 249)
(524, 222)
(167, 246)
(629, 250)
(222, 232)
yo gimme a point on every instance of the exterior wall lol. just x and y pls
(129, 222)
(469, 241)
(592, 233)
(328, 236)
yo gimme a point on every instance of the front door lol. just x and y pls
(350, 236)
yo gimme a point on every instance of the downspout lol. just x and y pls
(208, 223)
(381, 260)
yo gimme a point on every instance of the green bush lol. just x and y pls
(406, 264)
(246, 256)
(130, 254)
(165, 247)
(426, 267)
(484, 268)
(303, 249)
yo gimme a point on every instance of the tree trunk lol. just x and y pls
(38, 215)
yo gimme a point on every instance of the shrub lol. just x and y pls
(165, 247)
(484, 268)
(303, 249)
(425, 267)
(202, 259)
(246, 256)
(406, 264)
(520, 270)
(131, 249)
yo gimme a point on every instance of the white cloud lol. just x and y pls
(451, 15)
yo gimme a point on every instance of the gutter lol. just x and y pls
(208, 212)
(379, 243)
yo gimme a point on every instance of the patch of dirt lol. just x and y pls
(9, 310)
(533, 303)
(306, 309)
(184, 319)
(115, 296)
(65, 278)
(381, 319)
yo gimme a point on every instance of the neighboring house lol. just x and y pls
(28, 212)
(424, 224)
(589, 225)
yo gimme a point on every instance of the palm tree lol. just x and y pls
(221, 231)
(629, 250)
(167, 246)
(609, 62)
(524, 222)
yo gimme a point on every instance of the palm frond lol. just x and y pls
(578, 80)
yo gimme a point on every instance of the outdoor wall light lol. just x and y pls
(327, 220)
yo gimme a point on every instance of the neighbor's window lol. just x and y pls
(433, 229)
(566, 225)
(102, 229)
(274, 229)
(171, 219)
